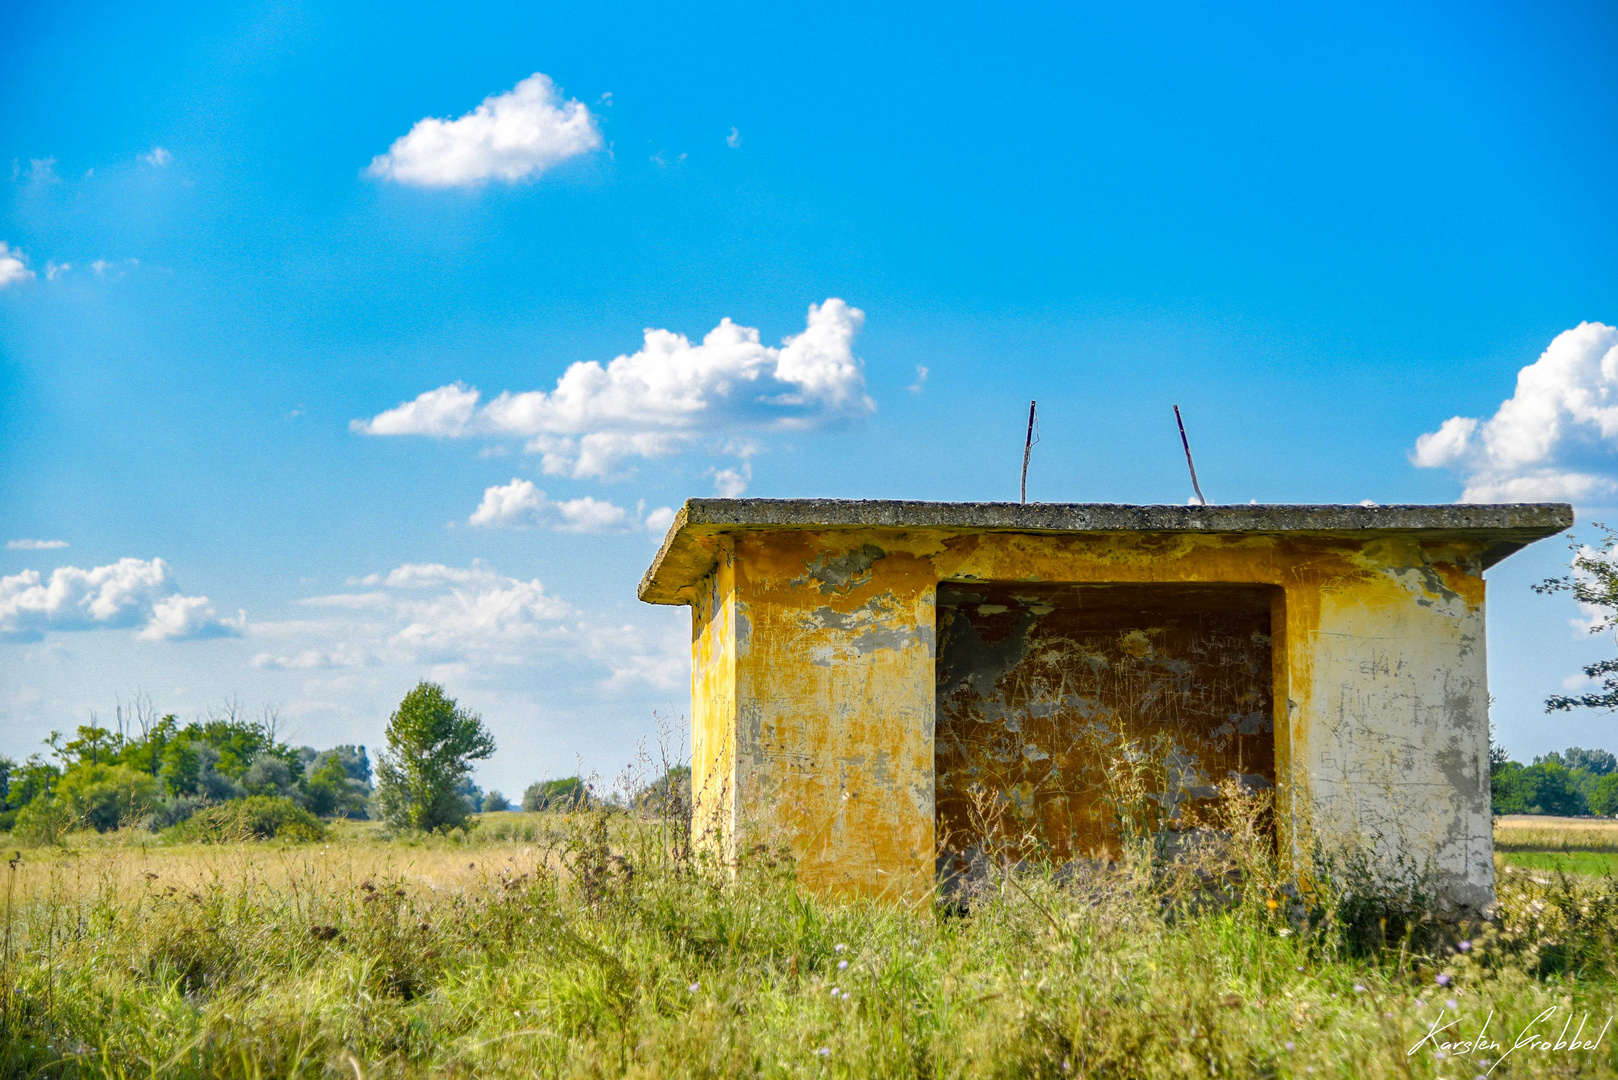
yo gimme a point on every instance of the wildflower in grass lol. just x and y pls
(1465, 946)
(824, 1051)
(1443, 979)
(835, 991)
(841, 948)
(695, 987)
(842, 965)
(1290, 1045)
(1452, 1004)
(1359, 988)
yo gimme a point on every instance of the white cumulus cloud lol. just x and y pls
(128, 593)
(1553, 439)
(35, 545)
(511, 136)
(158, 158)
(661, 399)
(729, 483)
(520, 503)
(12, 266)
(659, 520)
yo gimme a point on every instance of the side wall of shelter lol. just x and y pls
(714, 643)
(1381, 726)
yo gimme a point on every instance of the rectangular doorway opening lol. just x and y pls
(1043, 688)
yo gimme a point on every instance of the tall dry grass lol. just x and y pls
(600, 944)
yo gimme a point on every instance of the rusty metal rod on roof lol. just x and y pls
(1188, 462)
(1027, 448)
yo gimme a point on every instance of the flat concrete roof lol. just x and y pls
(687, 554)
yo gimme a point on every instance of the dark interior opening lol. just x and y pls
(1049, 694)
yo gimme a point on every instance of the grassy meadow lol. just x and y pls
(596, 944)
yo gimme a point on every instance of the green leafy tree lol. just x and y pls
(146, 752)
(1545, 788)
(564, 794)
(103, 797)
(33, 779)
(1576, 758)
(94, 745)
(432, 743)
(669, 793)
(494, 803)
(1593, 583)
(1603, 796)
(44, 821)
(329, 788)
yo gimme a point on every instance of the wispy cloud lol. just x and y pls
(511, 136)
(113, 268)
(35, 545)
(131, 593)
(662, 399)
(734, 139)
(463, 618)
(1554, 438)
(41, 172)
(921, 381)
(158, 158)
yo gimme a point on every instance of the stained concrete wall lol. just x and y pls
(814, 686)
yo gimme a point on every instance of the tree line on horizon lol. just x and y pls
(1571, 783)
(229, 771)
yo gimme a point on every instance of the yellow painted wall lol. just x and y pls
(813, 686)
(713, 706)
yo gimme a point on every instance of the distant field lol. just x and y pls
(1551, 845)
(1524, 832)
(1595, 863)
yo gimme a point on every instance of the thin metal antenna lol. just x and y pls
(1027, 448)
(1188, 462)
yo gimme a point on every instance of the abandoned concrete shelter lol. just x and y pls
(859, 668)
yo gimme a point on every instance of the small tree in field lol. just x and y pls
(431, 745)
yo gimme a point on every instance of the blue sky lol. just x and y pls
(233, 250)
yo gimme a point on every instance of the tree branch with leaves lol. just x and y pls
(1593, 582)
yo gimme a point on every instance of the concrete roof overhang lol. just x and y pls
(688, 552)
